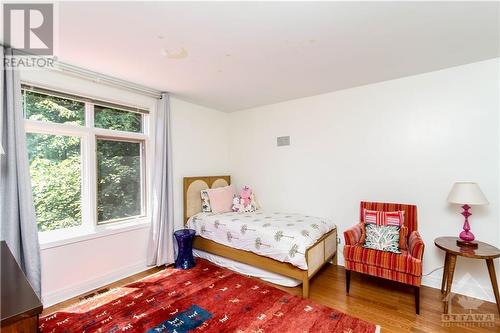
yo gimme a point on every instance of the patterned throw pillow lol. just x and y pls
(254, 203)
(384, 218)
(382, 237)
(395, 218)
(205, 202)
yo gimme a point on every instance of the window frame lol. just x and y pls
(89, 135)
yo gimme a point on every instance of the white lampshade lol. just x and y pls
(467, 193)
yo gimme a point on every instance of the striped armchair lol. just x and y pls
(405, 267)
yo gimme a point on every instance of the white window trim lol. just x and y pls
(66, 236)
(90, 228)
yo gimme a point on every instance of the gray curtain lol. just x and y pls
(17, 213)
(160, 247)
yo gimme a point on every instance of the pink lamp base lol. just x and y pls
(466, 237)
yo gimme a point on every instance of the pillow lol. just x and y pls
(221, 199)
(254, 203)
(403, 237)
(382, 237)
(205, 201)
(395, 218)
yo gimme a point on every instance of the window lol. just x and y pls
(55, 164)
(119, 190)
(87, 160)
(50, 108)
(117, 119)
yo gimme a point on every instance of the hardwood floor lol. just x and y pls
(381, 302)
(388, 304)
(119, 283)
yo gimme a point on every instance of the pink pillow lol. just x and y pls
(384, 218)
(221, 199)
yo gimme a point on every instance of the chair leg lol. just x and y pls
(347, 280)
(417, 299)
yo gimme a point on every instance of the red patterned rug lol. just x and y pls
(206, 298)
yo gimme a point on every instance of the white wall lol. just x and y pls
(199, 143)
(404, 140)
(200, 139)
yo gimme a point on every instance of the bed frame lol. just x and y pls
(324, 250)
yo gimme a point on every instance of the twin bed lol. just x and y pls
(291, 245)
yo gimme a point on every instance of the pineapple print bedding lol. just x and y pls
(280, 236)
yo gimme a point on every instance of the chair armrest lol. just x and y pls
(416, 245)
(353, 235)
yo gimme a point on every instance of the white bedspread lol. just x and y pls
(280, 236)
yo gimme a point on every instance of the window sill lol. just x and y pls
(56, 239)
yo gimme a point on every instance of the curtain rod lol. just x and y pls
(98, 77)
(106, 79)
(37, 88)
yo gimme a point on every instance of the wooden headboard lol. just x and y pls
(192, 189)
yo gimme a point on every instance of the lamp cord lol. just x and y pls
(435, 269)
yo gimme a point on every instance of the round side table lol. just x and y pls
(483, 251)
(184, 239)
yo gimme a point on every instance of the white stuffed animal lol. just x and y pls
(237, 206)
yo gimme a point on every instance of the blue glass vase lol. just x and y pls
(184, 239)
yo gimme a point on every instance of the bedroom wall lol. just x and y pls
(199, 144)
(200, 139)
(406, 140)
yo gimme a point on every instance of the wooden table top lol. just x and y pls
(483, 251)
(17, 298)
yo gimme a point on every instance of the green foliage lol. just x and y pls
(55, 164)
(54, 109)
(119, 176)
(117, 119)
(56, 180)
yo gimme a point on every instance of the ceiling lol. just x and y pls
(236, 55)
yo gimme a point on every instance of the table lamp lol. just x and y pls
(466, 194)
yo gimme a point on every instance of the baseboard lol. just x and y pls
(68, 292)
(457, 287)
